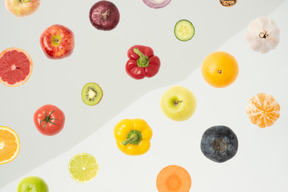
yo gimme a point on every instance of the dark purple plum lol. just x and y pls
(104, 15)
(219, 143)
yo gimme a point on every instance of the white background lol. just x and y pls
(260, 163)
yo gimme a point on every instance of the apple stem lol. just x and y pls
(176, 102)
(25, 1)
(56, 40)
(143, 60)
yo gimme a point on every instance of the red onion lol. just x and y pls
(156, 3)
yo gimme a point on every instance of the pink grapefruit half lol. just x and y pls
(15, 67)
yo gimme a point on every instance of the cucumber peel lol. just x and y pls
(184, 30)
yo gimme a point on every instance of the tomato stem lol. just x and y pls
(48, 119)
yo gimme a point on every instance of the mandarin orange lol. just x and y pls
(263, 110)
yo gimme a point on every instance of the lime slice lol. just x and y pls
(83, 167)
(184, 30)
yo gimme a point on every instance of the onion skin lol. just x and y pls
(153, 4)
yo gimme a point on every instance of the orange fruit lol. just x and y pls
(263, 110)
(219, 69)
(15, 67)
(9, 145)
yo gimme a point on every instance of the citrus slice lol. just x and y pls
(91, 94)
(15, 67)
(9, 145)
(263, 110)
(184, 30)
(83, 167)
(173, 178)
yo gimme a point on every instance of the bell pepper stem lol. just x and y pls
(143, 60)
(133, 138)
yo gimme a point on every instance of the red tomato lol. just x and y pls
(49, 120)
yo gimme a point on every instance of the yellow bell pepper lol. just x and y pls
(133, 136)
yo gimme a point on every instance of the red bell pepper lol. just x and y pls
(142, 62)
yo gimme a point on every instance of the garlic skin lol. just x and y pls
(262, 35)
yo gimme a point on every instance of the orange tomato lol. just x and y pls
(220, 69)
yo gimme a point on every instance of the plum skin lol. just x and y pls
(104, 15)
(219, 143)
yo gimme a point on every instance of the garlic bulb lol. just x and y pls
(262, 35)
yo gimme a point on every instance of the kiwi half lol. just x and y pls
(91, 94)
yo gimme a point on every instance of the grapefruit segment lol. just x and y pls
(15, 67)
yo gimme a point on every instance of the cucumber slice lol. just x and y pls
(184, 30)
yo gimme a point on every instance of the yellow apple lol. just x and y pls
(178, 103)
(21, 8)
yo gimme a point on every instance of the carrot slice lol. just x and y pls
(173, 178)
